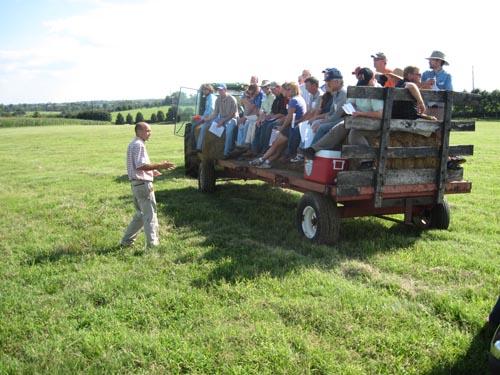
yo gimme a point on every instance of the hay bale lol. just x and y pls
(213, 146)
(403, 139)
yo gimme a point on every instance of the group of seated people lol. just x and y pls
(276, 116)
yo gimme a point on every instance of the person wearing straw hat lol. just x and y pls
(437, 78)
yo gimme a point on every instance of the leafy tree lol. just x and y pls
(139, 117)
(36, 114)
(99, 115)
(172, 113)
(119, 119)
(130, 119)
(160, 116)
(153, 117)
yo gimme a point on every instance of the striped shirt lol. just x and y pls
(225, 107)
(137, 156)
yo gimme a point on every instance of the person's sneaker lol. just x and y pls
(309, 152)
(256, 162)
(297, 159)
(265, 165)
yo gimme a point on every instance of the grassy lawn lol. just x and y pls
(232, 288)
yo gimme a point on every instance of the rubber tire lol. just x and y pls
(191, 162)
(440, 216)
(325, 218)
(206, 176)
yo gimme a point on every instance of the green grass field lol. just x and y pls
(232, 289)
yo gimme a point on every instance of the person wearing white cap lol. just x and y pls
(436, 76)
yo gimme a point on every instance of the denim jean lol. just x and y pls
(201, 135)
(293, 141)
(230, 135)
(242, 133)
(262, 135)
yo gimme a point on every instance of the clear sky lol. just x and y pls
(71, 50)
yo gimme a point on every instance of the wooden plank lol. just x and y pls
(443, 152)
(463, 125)
(384, 142)
(400, 191)
(403, 94)
(393, 177)
(368, 152)
(461, 150)
(422, 127)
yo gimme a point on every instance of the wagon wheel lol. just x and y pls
(206, 176)
(318, 218)
(438, 217)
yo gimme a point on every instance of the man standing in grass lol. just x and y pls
(141, 173)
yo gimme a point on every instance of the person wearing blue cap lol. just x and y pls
(371, 108)
(224, 114)
(335, 84)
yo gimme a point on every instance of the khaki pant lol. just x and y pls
(333, 139)
(145, 215)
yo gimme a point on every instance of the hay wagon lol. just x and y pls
(410, 173)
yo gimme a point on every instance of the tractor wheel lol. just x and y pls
(206, 176)
(191, 159)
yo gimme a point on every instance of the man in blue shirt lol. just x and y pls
(437, 78)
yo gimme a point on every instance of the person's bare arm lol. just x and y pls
(415, 92)
(154, 166)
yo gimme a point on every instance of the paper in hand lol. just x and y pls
(348, 108)
(217, 130)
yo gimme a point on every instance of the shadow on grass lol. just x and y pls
(250, 230)
(177, 172)
(475, 360)
(67, 253)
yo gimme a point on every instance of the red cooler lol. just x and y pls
(324, 167)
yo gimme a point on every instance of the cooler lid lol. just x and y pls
(328, 154)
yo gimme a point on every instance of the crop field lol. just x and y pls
(24, 121)
(233, 288)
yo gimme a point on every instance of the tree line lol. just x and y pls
(155, 117)
(488, 108)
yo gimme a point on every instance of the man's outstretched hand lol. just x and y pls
(167, 165)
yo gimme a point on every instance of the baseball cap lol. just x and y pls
(221, 86)
(379, 56)
(265, 83)
(364, 76)
(332, 73)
